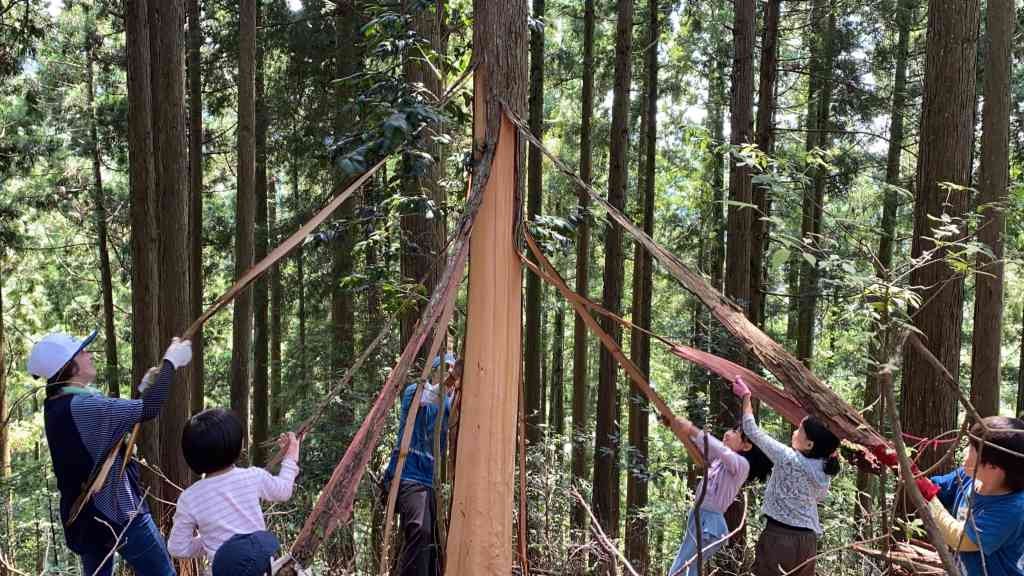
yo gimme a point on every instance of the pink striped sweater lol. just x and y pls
(218, 507)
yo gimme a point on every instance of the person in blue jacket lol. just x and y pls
(980, 505)
(82, 426)
(415, 502)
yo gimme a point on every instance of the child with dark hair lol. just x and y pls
(732, 461)
(799, 481)
(980, 505)
(224, 506)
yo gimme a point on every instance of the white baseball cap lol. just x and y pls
(51, 354)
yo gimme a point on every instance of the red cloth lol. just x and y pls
(927, 487)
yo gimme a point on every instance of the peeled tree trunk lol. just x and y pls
(993, 196)
(947, 128)
(480, 540)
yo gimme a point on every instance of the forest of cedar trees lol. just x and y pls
(849, 175)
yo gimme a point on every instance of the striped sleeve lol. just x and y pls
(155, 396)
(183, 541)
(102, 421)
(277, 488)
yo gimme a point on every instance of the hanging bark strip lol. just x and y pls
(546, 271)
(440, 330)
(778, 400)
(252, 275)
(334, 506)
(812, 393)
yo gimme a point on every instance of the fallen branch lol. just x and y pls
(602, 538)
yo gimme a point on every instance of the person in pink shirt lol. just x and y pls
(732, 461)
(220, 516)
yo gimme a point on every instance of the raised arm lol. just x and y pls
(279, 488)
(775, 451)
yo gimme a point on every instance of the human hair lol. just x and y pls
(825, 444)
(760, 464)
(212, 440)
(1005, 433)
(61, 379)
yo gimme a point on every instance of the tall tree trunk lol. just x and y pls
(873, 400)
(738, 232)
(1020, 374)
(423, 238)
(765, 139)
(300, 280)
(481, 531)
(580, 372)
(822, 58)
(144, 233)
(195, 173)
(947, 127)
(705, 337)
(640, 343)
(169, 148)
(606, 448)
(5, 448)
(106, 283)
(534, 188)
(276, 303)
(348, 60)
(260, 292)
(245, 213)
(556, 414)
(993, 197)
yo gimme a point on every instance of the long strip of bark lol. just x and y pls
(337, 498)
(546, 271)
(812, 393)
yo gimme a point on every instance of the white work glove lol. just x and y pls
(179, 353)
(148, 379)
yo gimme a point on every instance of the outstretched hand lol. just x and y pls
(740, 388)
(289, 444)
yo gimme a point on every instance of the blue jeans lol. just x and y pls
(142, 547)
(714, 528)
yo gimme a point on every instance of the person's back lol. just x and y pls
(225, 506)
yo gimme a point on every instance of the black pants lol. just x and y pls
(416, 509)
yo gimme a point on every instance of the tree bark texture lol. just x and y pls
(640, 343)
(947, 127)
(819, 103)
(481, 530)
(534, 189)
(5, 448)
(765, 138)
(580, 366)
(740, 216)
(277, 408)
(606, 448)
(170, 150)
(245, 214)
(423, 238)
(992, 200)
(195, 173)
(260, 290)
(106, 282)
(348, 61)
(142, 182)
(556, 414)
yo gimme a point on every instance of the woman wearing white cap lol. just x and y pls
(82, 426)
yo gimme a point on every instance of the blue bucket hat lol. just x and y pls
(246, 555)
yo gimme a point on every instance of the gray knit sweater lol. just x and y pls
(797, 483)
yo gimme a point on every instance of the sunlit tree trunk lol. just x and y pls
(986, 376)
